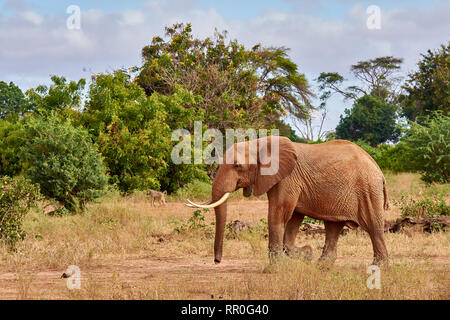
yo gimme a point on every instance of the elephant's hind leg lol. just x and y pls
(375, 228)
(332, 231)
(380, 253)
(290, 234)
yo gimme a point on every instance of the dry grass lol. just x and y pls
(128, 250)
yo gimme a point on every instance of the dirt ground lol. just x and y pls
(156, 272)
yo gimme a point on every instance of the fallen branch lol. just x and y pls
(427, 224)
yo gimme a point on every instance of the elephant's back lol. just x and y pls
(342, 179)
(338, 154)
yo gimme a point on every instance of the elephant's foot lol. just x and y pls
(380, 261)
(327, 260)
(303, 253)
(274, 259)
(274, 255)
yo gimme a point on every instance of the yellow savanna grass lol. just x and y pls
(127, 249)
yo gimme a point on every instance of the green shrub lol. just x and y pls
(311, 220)
(194, 190)
(426, 207)
(389, 157)
(64, 161)
(201, 190)
(428, 147)
(196, 222)
(17, 196)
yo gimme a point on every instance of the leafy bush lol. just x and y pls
(63, 160)
(196, 222)
(389, 157)
(428, 147)
(426, 207)
(17, 196)
(194, 190)
(311, 220)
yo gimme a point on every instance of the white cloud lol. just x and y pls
(132, 18)
(34, 46)
(32, 17)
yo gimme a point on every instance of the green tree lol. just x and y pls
(133, 134)
(12, 100)
(428, 89)
(11, 140)
(61, 96)
(369, 119)
(239, 87)
(375, 98)
(64, 161)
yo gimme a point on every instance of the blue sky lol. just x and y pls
(323, 35)
(232, 9)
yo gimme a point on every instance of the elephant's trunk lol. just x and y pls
(223, 183)
(221, 219)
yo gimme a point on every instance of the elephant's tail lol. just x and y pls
(386, 198)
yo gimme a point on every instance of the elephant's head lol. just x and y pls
(255, 165)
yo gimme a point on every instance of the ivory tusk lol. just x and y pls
(206, 206)
(189, 205)
(193, 205)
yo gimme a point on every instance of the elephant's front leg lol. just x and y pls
(279, 215)
(290, 235)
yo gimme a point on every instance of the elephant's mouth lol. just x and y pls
(242, 184)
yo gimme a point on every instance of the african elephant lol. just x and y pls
(335, 181)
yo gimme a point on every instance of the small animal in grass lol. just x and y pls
(157, 196)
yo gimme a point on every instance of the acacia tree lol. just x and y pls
(239, 86)
(375, 98)
(377, 77)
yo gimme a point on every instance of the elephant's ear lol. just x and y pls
(273, 165)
